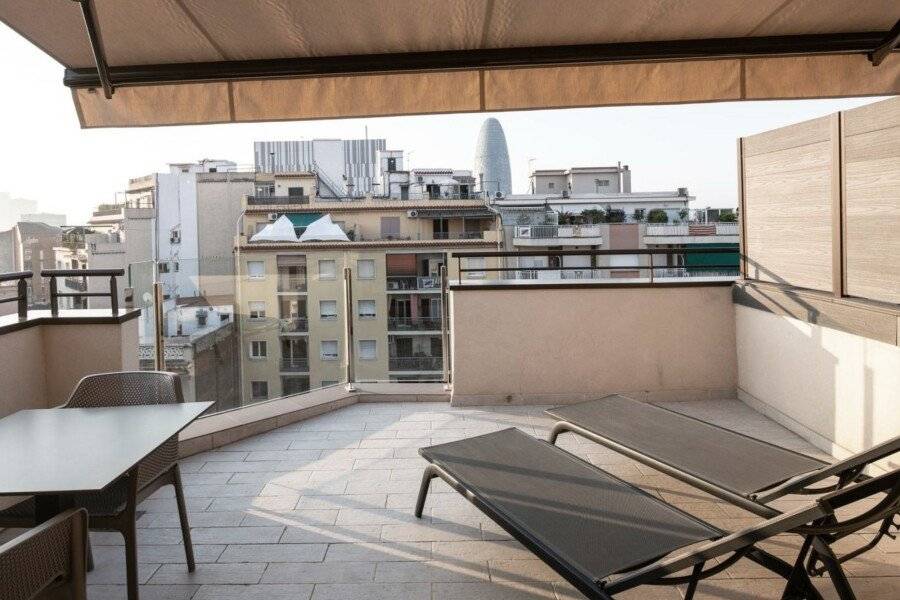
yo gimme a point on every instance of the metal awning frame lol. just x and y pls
(875, 45)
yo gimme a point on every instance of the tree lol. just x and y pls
(657, 215)
(615, 215)
(638, 215)
(566, 218)
(727, 217)
(593, 215)
(683, 214)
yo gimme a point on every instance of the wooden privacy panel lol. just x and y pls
(871, 150)
(787, 204)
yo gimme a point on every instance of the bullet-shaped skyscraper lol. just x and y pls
(492, 159)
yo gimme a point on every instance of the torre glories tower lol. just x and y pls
(492, 159)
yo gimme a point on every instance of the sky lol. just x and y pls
(45, 156)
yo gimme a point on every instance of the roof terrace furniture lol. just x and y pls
(605, 536)
(47, 559)
(739, 469)
(115, 443)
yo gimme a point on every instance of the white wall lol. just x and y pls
(176, 201)
(838, 390)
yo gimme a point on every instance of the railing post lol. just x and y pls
(113, 295)
(22, 292)
(159, 342)
(348, 327)
(54, 301)
(445, 328)
(651, 268)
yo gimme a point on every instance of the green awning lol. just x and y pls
(303, 219)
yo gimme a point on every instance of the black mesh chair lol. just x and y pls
(113, 509)
(47, 561)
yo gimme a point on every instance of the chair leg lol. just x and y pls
(833, 566)
(429, 474)
(183, 518)
(799, 586)
(695, 579)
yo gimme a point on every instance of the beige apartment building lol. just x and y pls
(290, 295)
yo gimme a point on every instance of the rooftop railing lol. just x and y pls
(21, 297)
(557, 231)
(559, 265)
(294, 325)
(276, 200)
(55, 294)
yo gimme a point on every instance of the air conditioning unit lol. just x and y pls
(412, 214)
(273, 217)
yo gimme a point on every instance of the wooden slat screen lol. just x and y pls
(787, 204)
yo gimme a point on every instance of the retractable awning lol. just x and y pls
(166, 62)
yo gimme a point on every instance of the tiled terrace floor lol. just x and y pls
(322, 509)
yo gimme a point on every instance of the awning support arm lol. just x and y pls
(93, 31)
(889, 44)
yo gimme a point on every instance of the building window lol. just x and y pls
(258, 349)
(327, 269)
(390, 228)
(475, 263)
(391, 164)
(294, 385)
(328, 309)
(295, 192)
(163, 267)
(365, 268)
(366, 309)
(257, 310)
(551, 185)
(366, 349)
(256, 269)
(328, 382)
(329, 350)
(259, 390)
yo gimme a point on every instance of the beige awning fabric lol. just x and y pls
(203, 32)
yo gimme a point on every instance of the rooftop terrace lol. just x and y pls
(323, 509)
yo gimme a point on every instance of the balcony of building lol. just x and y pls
(291, 274)
(277, 201)
(557, 235)
(707, 233)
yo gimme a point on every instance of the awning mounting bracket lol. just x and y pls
(93, 31)
(877, 56)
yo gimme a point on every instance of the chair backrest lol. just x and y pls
(52, 553)
(804, 521)
(134, 388)
(126, 388)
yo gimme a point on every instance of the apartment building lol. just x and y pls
(581, 180)
(29, 247)
(343, 168)
(291, 294)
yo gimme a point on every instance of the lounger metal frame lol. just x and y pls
(847, 471)
(816, 523)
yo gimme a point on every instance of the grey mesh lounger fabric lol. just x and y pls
(604, 536)
(724, 458)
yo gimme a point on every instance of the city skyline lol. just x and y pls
(666, 146)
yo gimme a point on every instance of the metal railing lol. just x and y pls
(556, 269)
(415, 363)
(294, 325)
(277, 200)
(21, 297)
(414, 323)
(294, 365)
(654, 229)
(55, 295)
(412, 282)
(291, 283)
(457, 235)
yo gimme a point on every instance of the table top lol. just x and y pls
(67, 450)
